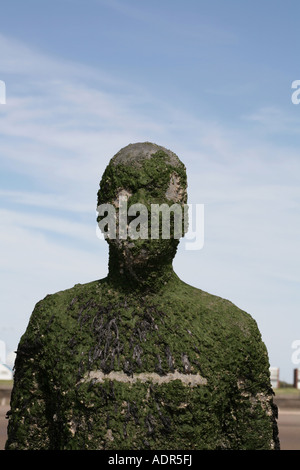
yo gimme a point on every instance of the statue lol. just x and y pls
(141, 360)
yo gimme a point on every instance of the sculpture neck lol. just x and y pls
(138, 276)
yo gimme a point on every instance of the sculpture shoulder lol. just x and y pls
(202, 301)
(231, 332)
(211, 311)
(57, 307)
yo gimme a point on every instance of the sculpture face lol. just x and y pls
(141, 183)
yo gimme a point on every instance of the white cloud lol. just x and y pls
(43, 200)
(273, 119)
(31, 64)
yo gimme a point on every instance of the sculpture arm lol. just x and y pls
(29, 415)
(255, 411)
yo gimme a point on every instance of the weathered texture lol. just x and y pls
(141, 360)
(135, 154)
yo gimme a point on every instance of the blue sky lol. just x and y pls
(210, 80)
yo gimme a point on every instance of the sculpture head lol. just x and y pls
(145, 185)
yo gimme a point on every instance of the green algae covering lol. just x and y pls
(141, 360)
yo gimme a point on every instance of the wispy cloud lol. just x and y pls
(273, 119)
(42, 200)
(206, 32)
